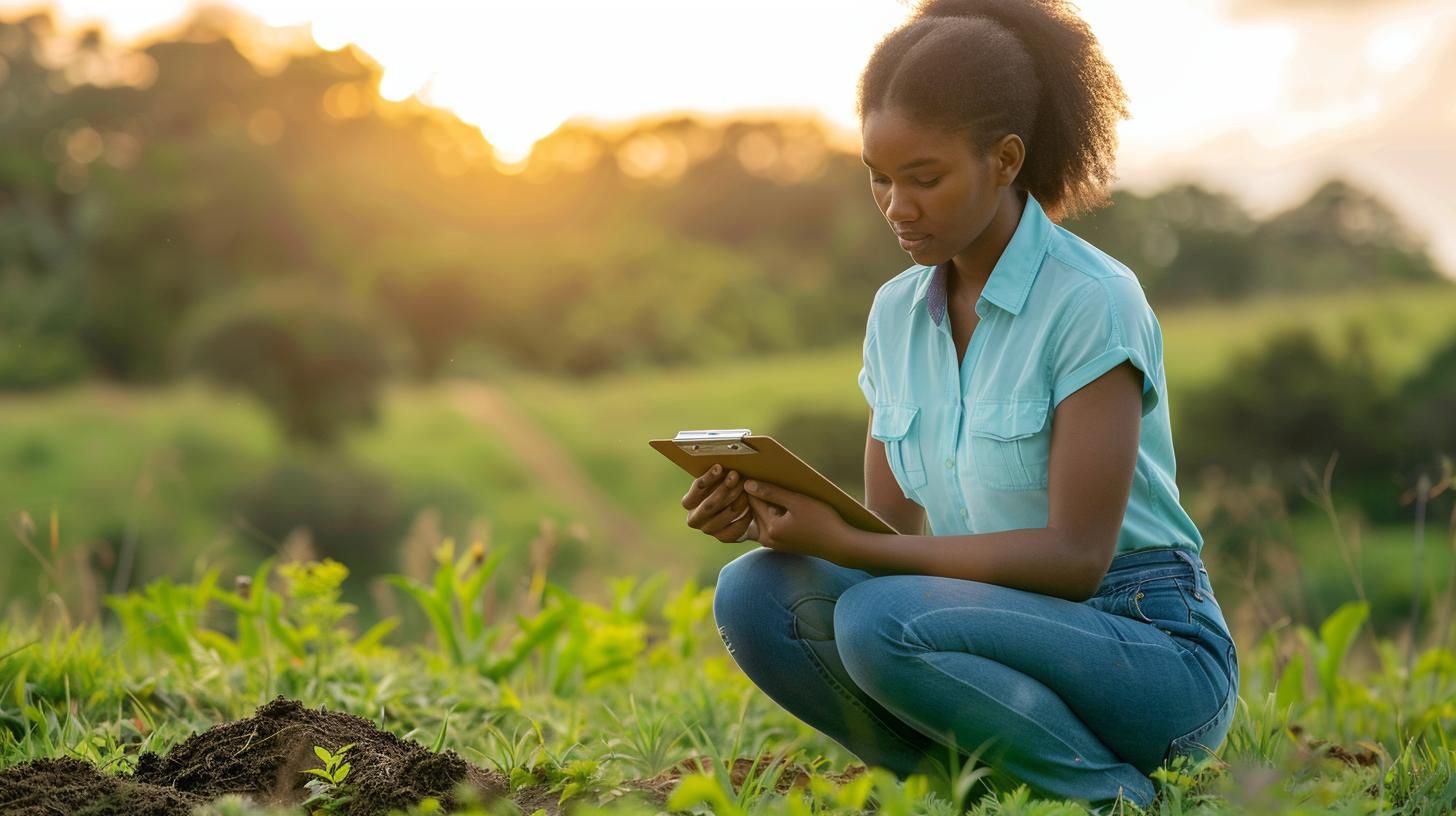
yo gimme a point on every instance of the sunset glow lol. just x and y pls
(1210, 81)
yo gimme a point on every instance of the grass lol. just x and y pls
(159, 469)
(1314, 732)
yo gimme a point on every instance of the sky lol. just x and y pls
(1263, 99)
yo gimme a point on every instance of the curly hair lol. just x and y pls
(993, 67)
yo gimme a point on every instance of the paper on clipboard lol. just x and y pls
(763, 458)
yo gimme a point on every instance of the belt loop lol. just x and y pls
(1187, 558)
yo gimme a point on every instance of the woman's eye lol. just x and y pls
(931, 182)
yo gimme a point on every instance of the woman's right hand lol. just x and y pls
(715, 502)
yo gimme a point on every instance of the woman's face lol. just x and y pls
(937, 194)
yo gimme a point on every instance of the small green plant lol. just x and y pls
(327, 793)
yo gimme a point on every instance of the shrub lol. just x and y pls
(351, 513)
(317, 363)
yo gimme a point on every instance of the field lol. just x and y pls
(568, 666)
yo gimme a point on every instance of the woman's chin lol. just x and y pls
(926, 257)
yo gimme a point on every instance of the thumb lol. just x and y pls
(763, 511)
(767, 492)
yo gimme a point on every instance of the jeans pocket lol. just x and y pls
(1206, 612)
(1165, 602)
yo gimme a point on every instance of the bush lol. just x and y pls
(1292, 405)
(352, 514)
(315, 362)
(35, 363)
(1428, 401)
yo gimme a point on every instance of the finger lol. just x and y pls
(727, 516)
(715, 504)
(701, 487)
(734, 530)
(724, 491)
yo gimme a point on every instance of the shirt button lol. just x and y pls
(949, 464)
(965, 513)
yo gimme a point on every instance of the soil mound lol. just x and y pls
(262, 757)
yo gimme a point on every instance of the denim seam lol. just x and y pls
(833, 683)
(1191, 738)
(1074, 752)
(906, 630)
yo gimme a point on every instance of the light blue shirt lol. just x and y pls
(971, 442)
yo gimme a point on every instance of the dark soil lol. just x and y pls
(51, 787)
(263, 758)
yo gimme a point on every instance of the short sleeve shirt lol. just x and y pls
(970, 441)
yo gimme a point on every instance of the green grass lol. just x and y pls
(628, 689)
(1404, 326)
(161, 467)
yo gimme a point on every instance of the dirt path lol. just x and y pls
(552, 468)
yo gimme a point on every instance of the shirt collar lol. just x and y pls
(1011, 279)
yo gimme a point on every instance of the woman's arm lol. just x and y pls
(1093, 453)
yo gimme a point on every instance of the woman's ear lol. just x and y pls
(1008, 153)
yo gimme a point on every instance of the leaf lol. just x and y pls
(320, 773)
(324, 756)
(342, 773)
(370, 639)
(444, 726)
(522, 778)
(1337, 634)
(437, 610)
(1291, 683)
(700, 789)
(854, 793)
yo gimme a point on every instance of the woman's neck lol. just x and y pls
(972, 267)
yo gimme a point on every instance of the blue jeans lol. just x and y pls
(1077, 700)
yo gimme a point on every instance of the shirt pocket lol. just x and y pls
(1011, 442)
(895, 426)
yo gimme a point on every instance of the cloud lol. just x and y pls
(1370, 102)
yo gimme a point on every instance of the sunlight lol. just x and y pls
(1203, 76)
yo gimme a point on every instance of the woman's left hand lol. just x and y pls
(794, 522)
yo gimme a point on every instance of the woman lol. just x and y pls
(1059, 624)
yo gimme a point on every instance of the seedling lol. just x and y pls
(327, 790)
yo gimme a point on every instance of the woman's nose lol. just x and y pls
(900, 208)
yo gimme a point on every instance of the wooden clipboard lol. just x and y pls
(762, 457)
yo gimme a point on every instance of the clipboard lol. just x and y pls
(762, 457)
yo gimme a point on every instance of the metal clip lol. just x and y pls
(715, 442)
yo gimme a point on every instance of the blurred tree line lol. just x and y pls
(180, 206)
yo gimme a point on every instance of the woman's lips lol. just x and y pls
(910, 245)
